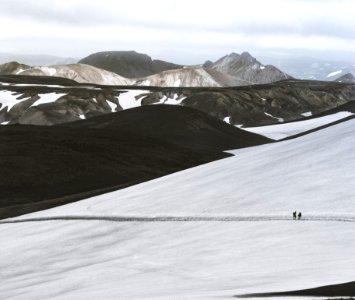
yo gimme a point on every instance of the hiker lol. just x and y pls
(294, 215)
(299, 216)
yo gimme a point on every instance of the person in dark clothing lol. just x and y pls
(294, 215)
(299, 216)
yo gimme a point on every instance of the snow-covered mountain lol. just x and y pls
(210, 232)
(247, 69)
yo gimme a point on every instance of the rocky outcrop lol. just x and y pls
(347, 78)
(12, 67)
(247, 69)
(128, 64)
(189, 77)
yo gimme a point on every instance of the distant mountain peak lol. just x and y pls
(248, 57)
(130, 64)
(207, 64)
(346, 78)
(247, 68)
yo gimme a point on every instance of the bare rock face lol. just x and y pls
(12, 67)
(347, 78)
(247, 69)
(231, 70)
(189, 77)
(128, 64)
(80, 73)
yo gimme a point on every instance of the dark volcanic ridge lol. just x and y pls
(175, 124)
(334, 290)
(249, 106)
(43, 166)
(346, 78)
(128, 64)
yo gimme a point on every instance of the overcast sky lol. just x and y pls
(182, 31)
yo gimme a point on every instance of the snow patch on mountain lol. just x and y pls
(9, 99)
(128, 99)
(334, 73)
(307, 114)
(227, 120)
(47, 98)
(112, 105)
(278, 119)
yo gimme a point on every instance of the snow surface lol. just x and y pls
(111, 104)
(47, 98)
(82, 116)
(9, 99)
(334, 73)
(145, 83)
(19, 71)
(262, 67)
(88, 259)
(227, 120)
(307, 114)
(127, 99)
(47, 70)
(176, 100)
(280, 131)
(278, 119)
(45, 85)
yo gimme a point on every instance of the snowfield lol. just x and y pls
(261, 250)
(127, 99)
(10, 99)
(280, 131)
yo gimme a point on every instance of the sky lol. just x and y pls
(182, 31)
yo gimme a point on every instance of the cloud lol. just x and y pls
(184, 24)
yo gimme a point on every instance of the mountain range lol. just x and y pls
(311, 68)
(51, 100)
(132, 68)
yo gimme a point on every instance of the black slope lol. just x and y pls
(176, 124)
(334, 290)
(42, 167)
